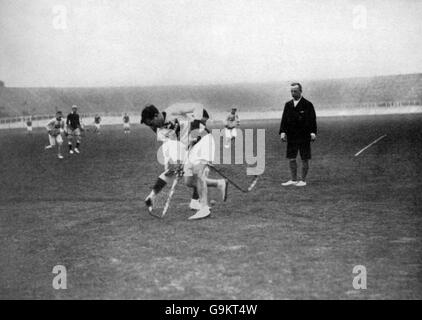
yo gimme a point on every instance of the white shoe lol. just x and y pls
(223, 187)
(60, 156)
(201, 214)
(301, 184)
(194, 204)
(289, 183)
(48, 147)
(77, 150)
(71, 151)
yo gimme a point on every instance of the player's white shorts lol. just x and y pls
(126, 125)
(74, 133)
(29, 129)
(173, 151)
(201, 153)
(53, 140)
(204, 150)
(97, 125)
(230, 133)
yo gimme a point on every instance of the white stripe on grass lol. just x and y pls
(371, 144)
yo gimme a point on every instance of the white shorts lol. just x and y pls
(97, 125)
(73, 132)
(29, 129)
(126, 125)
(57, 139)
(173, 151)
(204, 150)
(231, 133)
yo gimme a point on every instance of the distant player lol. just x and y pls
(97, 124)
(73, 129)
(232, 122)
(55, 129)
(126, 123)
(29, 125)
(196, 149)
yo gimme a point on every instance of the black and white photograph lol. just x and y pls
(210, 150)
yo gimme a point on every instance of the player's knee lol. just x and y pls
(167, 176)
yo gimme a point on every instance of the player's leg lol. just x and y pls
(199, 175)
(194, 202)
(78, 140)
(164, 178)
(233, 133)
(203, 153)
(228, 137)
(291, 154)
(305, 154)
(51, 142)
(190, 181)
(59, 141)
(221, 184)
(70, 141)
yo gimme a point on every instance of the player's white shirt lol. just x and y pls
(55, 124)
(232, 121)
(181, 114)
(175, 148)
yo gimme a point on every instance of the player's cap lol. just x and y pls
(74, 106)
(148, 113)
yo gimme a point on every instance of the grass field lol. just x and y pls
(86, 213)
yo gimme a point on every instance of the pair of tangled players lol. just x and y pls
(187, 149)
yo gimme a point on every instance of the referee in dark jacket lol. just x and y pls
(298, 127)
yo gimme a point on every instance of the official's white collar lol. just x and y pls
(295, 102)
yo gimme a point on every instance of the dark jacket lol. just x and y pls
(298, 122)
(73, 121)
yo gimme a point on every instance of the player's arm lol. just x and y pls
(237, 120)
(176, 111)
(313, 119)
(313, 124)
(283, 124)
(49, 126)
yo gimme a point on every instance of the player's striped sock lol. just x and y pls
(195, 194)
(159, 185)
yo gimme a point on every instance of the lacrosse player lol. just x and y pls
(190, 148)
(73, 129)
(55, 129)
(126, 123)
(232, 122)
(97, 123)
(29, 125)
